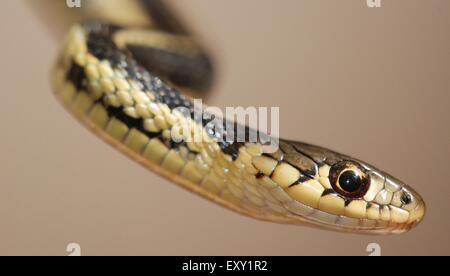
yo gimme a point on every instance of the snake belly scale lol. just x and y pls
(103, 79)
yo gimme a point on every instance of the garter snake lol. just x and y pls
(124, 75)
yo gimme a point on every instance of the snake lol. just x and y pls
(128, 69)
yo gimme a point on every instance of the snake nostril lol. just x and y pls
(405, 198)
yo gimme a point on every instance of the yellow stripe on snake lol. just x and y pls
(126, 83)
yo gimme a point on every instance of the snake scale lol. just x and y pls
(126, 82)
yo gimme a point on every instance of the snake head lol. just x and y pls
(343, 193)
(375, 197)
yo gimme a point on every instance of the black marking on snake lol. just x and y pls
(329, 192)
(347, 201)
(76, 75)
(259, 175)
(302, 179)
(138, 124)
(101, 45)
(231, 146)
(231, 149)
(221, 129)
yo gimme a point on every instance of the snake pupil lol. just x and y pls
(350, 182)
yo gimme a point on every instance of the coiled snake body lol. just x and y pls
(125, 84)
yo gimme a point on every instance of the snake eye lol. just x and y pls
(349, 179)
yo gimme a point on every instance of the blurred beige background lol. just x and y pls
(373, 83)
